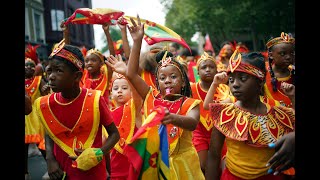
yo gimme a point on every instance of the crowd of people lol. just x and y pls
(229, 116)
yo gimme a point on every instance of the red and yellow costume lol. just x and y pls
(80, 129)
(101, 83)
(183, 158)
(149, 78)
(124, 119)
(202, 134)
(34, 132)
(250, 133)
(278, 95)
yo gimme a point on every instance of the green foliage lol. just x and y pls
(231, 19)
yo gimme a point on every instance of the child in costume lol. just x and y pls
(35, 86)
(207, 69)
(280, 68)
(127, 116)
(248, 125)
(173, 92)
(73, 118)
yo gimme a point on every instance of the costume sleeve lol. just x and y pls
(105, 114)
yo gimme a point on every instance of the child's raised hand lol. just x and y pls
(136, 30)
(288, 89)
(220, 78)
(105, 27)
(117, 64)
(121, 25)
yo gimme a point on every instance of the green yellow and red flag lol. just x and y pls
(94, 16)
(154, 32)
(148, 150)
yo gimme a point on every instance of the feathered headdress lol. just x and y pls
(31, 52)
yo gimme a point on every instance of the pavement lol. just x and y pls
(36, 164)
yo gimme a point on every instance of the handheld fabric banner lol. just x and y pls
(148, 151)
(155, 33)
(94, 16)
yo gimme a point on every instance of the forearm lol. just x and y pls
(49, 148)
(213, 165)
(126, 47)
(66, 36)
(210, 94)
(112, 139)
(185, 122)
(133, 63)
(110, 42)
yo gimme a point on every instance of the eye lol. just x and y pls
(115, 88)
(173, 76)
(231, 79)
(161, 78)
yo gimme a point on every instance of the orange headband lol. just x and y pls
(117, 76)
(284, 38)
(96, 52)
(59, 51)
(235, 64)
(203, 57)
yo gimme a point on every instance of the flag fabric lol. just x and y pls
(208, 44)
(94, 16)
(155, 33)
(148, 150)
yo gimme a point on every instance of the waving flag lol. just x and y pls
(148, 151)
(155, 33)
(94, 16)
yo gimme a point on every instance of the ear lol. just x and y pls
(270, 55)
(78, 75)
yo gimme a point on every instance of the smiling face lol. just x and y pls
(93, 63)
(206, 70)
(121, 92)
(170, 80)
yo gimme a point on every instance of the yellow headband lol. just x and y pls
(167, 61)
(59, 51)
(203, 57)
(284, 38)
(96, 52)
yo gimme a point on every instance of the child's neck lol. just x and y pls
(205, 85)
(95, 75)
(71, 93)
(255, 106)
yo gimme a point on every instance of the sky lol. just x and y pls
(147, 9)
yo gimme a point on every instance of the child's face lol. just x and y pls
(244, 86)
(60, 76)
(121, 92)
(29, 69)
(206, 70)
(170, 80)
(93, 63)
(282, 54)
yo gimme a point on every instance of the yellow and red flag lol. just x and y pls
(154, 33)
(94, 16)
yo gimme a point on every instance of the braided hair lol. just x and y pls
(186, 90)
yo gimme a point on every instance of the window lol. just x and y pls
(38, 27)
(26, 25)
(57, 16)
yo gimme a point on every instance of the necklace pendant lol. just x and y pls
(173, 131)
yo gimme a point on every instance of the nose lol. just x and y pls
(167, 80)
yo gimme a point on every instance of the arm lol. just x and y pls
(283, 159)
(214, 154)
(289, 90)
(188, 122)
(126, 47)
(137, 33)
(105, 28)
(112, 139)
(217, 80)
(54, 170)
(66, 34)
(27, 103)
